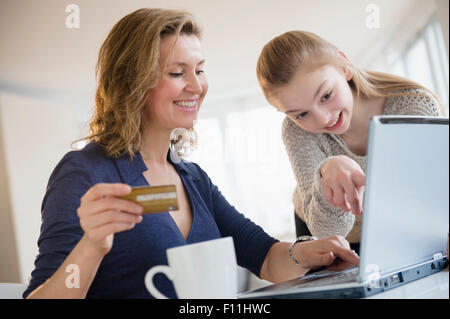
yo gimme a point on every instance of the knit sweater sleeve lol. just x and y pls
(307, 157)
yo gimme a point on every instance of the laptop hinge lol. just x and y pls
(437, 256)
(373, 276)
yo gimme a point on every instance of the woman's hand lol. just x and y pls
(102, 214)
(333, 252)
(343, 184)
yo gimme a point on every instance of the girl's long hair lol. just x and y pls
(284, 55)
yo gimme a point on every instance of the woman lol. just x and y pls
(150, 81)
(329, 102)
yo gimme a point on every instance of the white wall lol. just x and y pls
(36, 133)
(9, 261)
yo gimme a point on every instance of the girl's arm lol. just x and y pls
(307, 158)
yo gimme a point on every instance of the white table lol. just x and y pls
(431, 287)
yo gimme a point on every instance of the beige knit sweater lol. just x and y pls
(307, 153)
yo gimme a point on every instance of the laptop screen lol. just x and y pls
(406, 201)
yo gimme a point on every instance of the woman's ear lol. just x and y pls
(347, 70)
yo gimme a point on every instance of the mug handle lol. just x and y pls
(149, 280)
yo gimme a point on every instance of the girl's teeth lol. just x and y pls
(333, 123)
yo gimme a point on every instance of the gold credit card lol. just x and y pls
(154, 199)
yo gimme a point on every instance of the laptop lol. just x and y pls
(406, 214)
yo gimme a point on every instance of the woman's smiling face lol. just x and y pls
(175, 101)
(318, 100)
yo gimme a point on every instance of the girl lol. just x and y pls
(329, 102)
(151, 81)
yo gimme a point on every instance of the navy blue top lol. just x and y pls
(122, 271)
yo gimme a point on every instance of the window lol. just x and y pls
(425, 61)
(243, 153)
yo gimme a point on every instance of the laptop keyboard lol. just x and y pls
(329, 277)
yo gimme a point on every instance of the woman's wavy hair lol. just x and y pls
(282, 57)
(128, 67)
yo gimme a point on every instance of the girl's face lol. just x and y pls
(175, 101)
(318, 100)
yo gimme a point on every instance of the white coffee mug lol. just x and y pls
(204, 270)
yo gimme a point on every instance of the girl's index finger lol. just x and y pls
(101, 190)
(359, 179)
